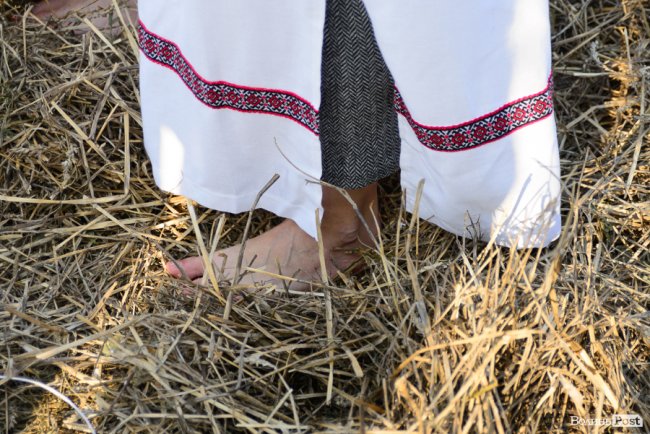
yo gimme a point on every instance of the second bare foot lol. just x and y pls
(99, 12)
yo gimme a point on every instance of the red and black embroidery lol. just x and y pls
(485, 129)
(219, 94)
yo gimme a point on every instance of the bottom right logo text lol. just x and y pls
(616, 420)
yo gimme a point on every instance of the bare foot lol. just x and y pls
(100, 12)
(286, 250)
(289, 251)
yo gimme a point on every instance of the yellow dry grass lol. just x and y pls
(440, 334)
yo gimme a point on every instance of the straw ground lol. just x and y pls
(440, 334)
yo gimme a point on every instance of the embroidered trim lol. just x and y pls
(223, 95)
(485, 129)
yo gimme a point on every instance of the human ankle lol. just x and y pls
(349, 216)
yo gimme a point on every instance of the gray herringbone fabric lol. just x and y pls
(359, 135)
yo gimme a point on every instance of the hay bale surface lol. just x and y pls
(440, 334)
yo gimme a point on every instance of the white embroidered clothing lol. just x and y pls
(230, 94)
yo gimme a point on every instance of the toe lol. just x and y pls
(40, 9)
(193, 267)
(48, 8)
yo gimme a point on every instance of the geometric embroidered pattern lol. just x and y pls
(223, 95)
(485, 129)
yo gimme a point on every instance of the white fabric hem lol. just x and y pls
(234, 204)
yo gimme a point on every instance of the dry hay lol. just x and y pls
(439, 335)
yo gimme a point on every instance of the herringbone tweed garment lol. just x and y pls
(359, 135)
